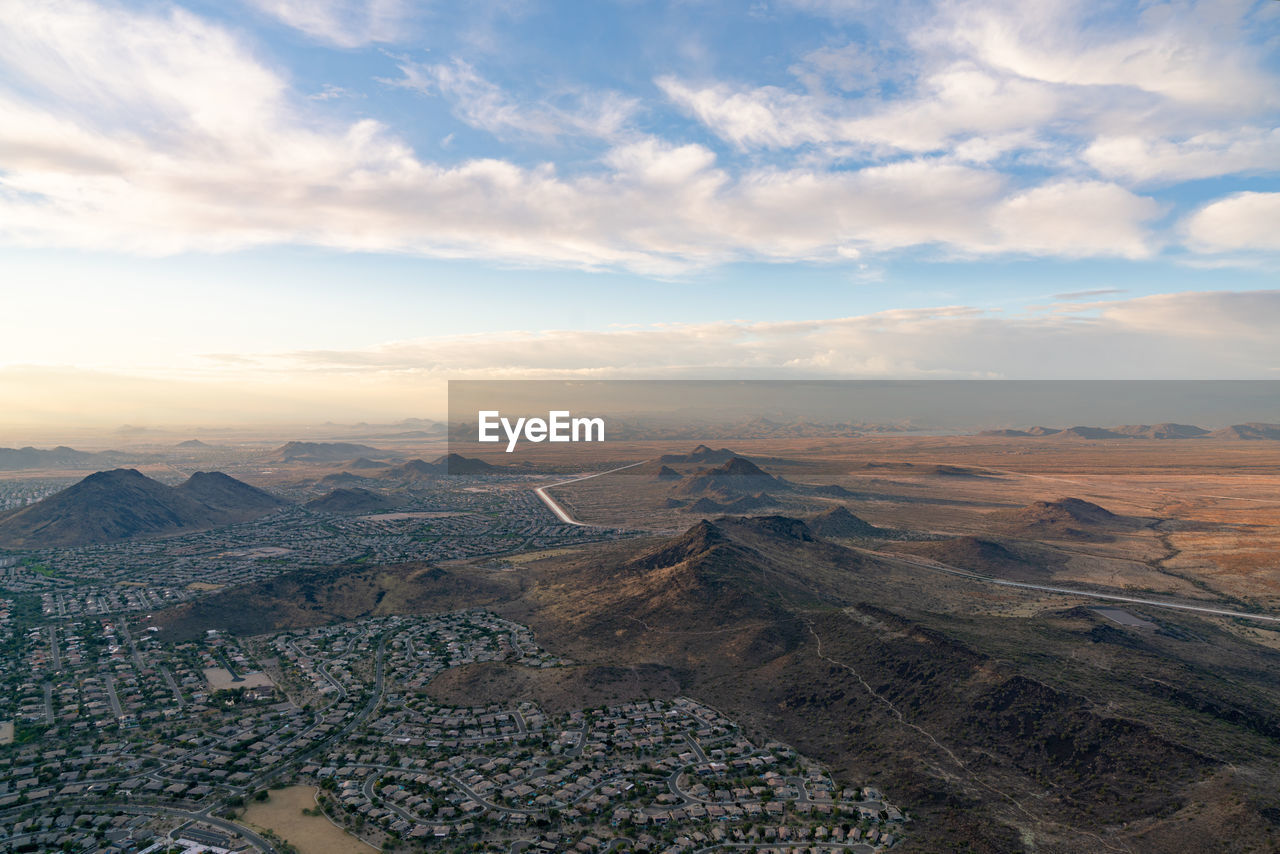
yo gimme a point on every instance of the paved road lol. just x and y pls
(111, 695)
(133, 647)
(173, 686)
(697, 748)
(53, 645)
(48, 703)
(935, 566)
(555, 506)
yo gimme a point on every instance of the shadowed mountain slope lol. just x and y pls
(123, 503)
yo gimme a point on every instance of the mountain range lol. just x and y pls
(1252, 431)
(120, 504)
(61, 457)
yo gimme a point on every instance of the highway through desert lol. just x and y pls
(561, 513)
(1066, 591)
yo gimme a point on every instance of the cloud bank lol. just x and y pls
(1025, 131)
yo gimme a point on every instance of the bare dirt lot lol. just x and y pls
(310, 834)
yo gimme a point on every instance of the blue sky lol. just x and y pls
(304, 209)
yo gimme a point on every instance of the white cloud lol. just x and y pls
(482, 104)
(1141, 159)
(1083, 217)
(160, 133)
(1240, 222)
(1179, 90)
(343, 23)
(953, 104)
(152, 152)
(1196, 55)
(1167, 336)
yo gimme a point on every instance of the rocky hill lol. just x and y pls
(124, 503)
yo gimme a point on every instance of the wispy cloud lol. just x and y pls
(1154, 337)
(482, 104)
(343, 23)
(1167, 92)
(1098, 292)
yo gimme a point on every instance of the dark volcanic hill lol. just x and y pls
(1066, 518)
(739, 573)
(323, 452)
(124, 503)
(364, 463)
(745, 504)
(234, 497)
(703, 454)
(733, 479)
(352, 500)
(991, 557)
(458, 464)
(839, 523)
(341, 479)
(411, 471)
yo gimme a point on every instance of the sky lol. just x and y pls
(302, 210)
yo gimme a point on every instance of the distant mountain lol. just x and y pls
(20, 459)
(458, 464)
(121, 504)
(421, 471)
(703, 454)
(745, 504)
(1067, 518)
(351, 500)
(366, 463)
(1251, 432)
(733, 479)
(323, 452)
(193, 445)
(977, 554)
(1082, 432)
(222, 492)
(1166, 430)
(839, 523)
(412, 471)
(342, 478)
